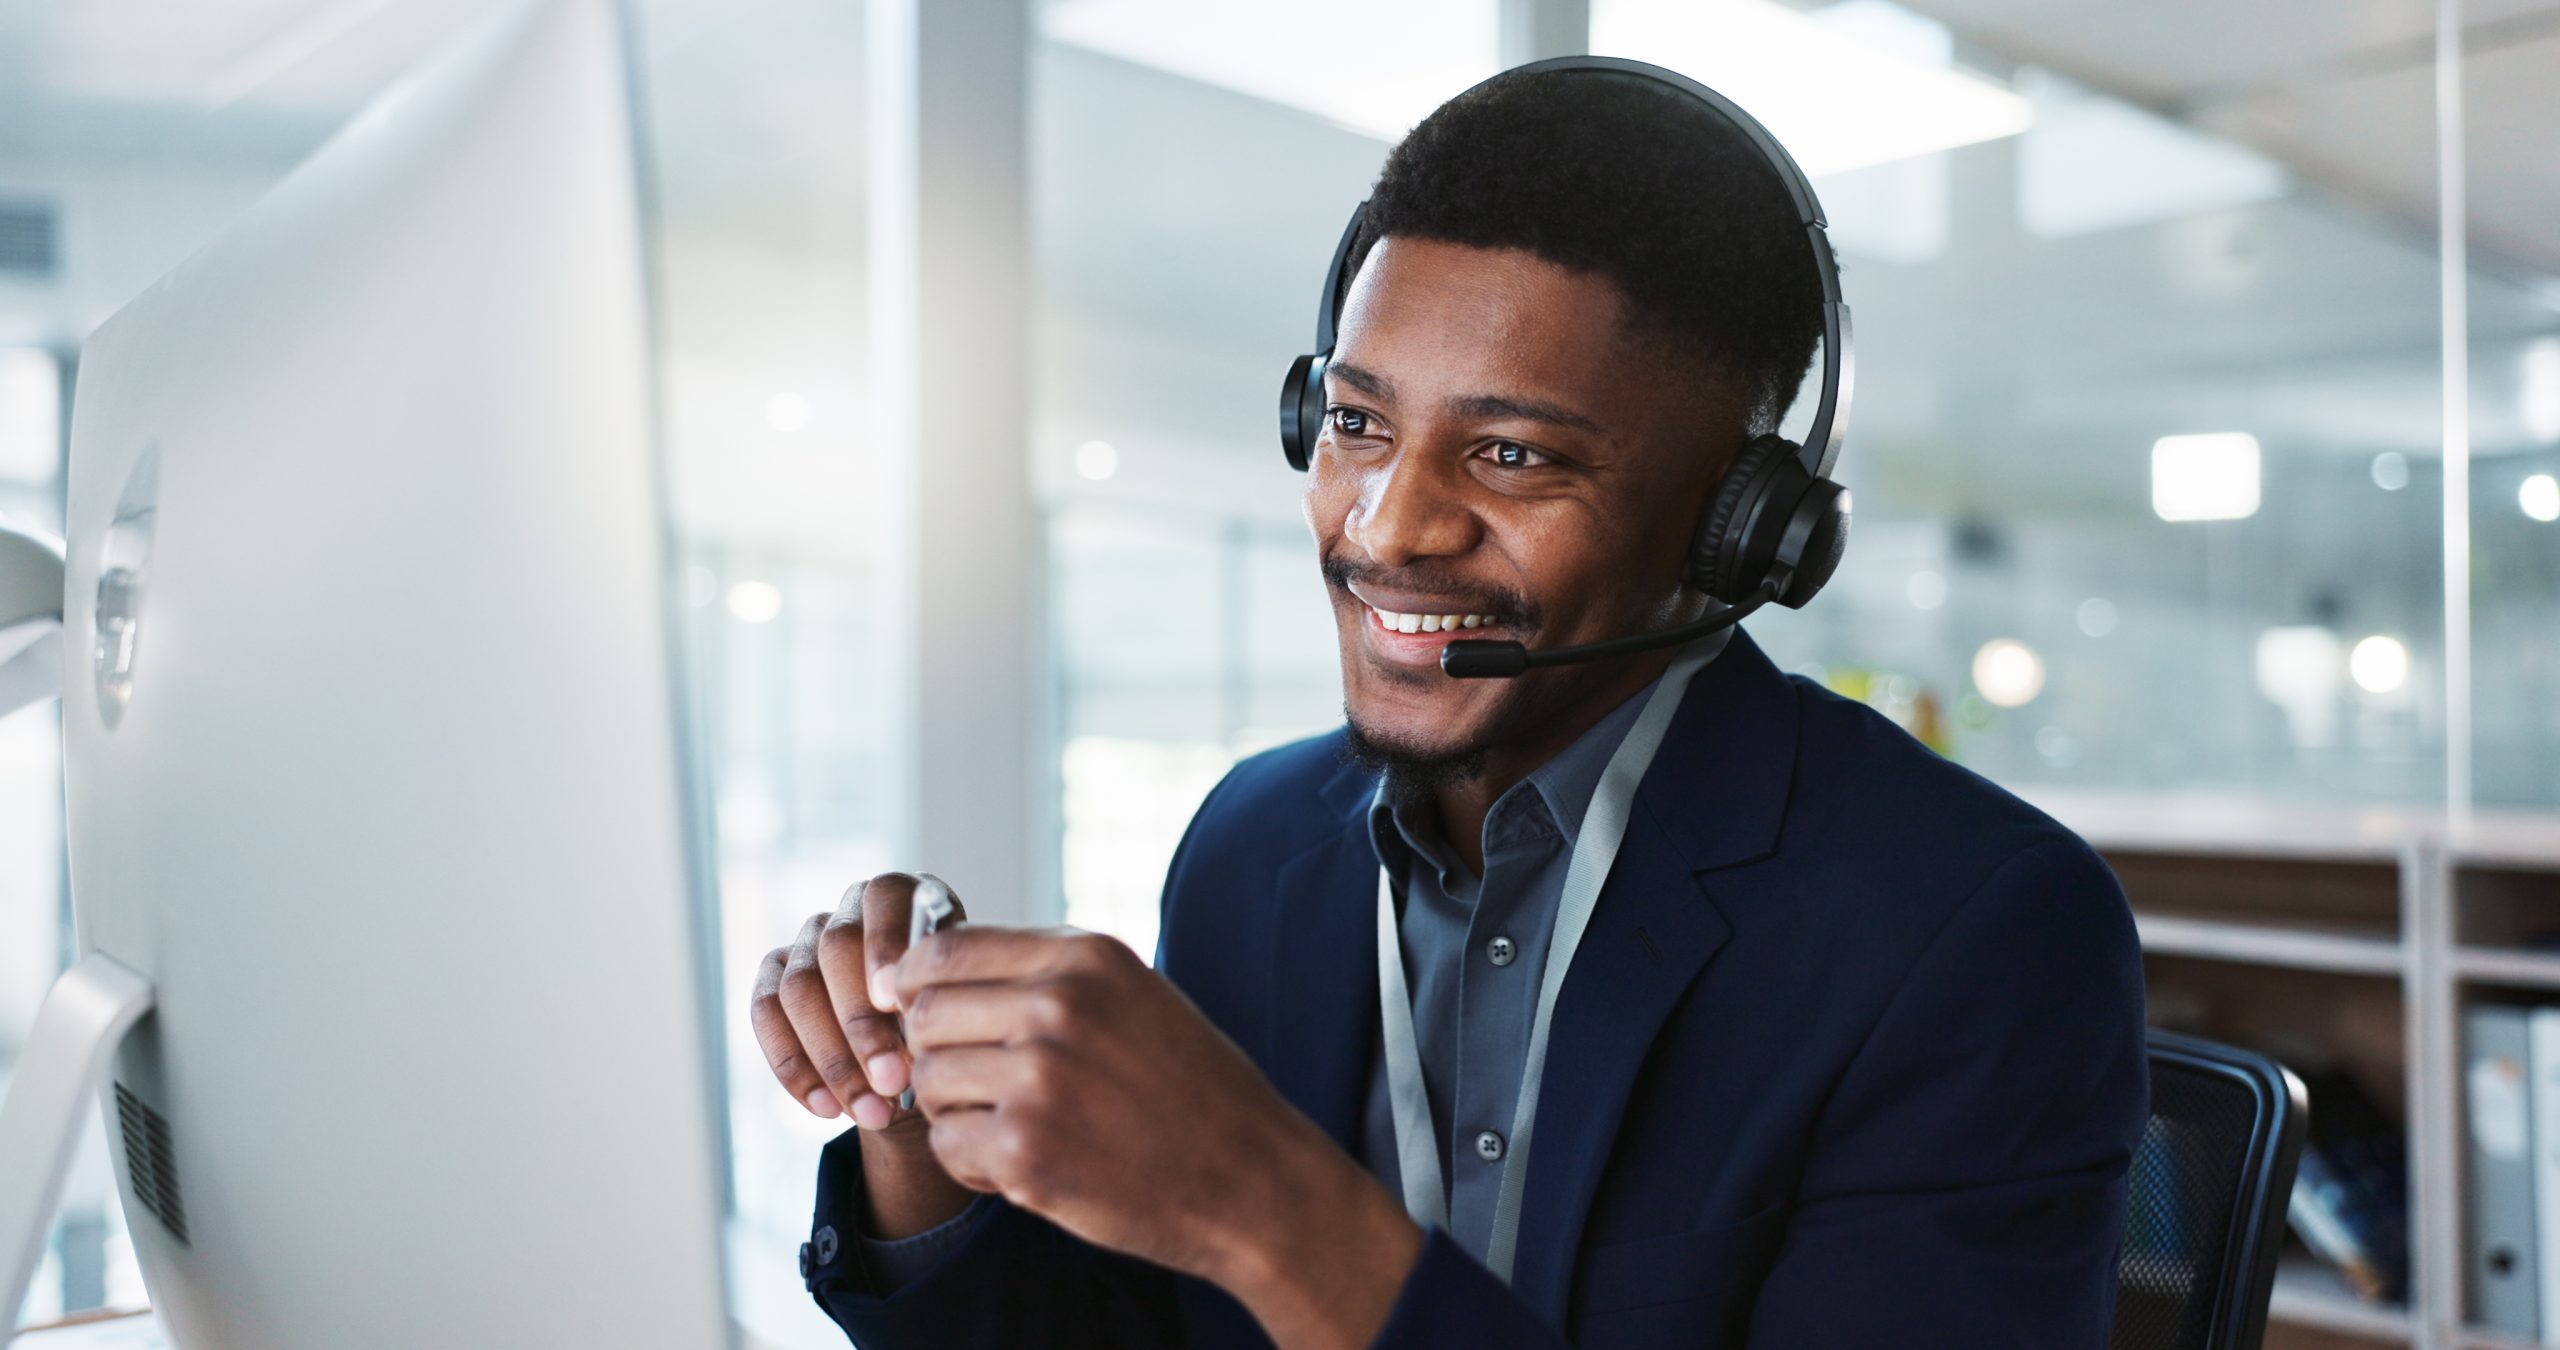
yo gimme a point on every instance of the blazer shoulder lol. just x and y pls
(1272, 806)
(1863, 781)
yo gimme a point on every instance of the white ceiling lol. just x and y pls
(2342, 91)
(1182, 227)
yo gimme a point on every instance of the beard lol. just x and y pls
(1409, 775)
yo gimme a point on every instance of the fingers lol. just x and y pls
(888, 912)
(982, 952)
(966, 1142)
(968, 1076)
(995, 1013)
(888, 901)
(812, 1014)
(781, 1045)
(870, 1034)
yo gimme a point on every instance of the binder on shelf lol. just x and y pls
(2543, 1047)
(2505, 1272)
(2350, 1201)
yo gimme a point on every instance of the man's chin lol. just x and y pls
(1412, 765)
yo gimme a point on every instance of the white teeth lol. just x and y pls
(1428, 623)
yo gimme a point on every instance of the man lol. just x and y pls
(1850, 1053)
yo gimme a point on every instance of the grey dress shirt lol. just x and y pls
(1474, 950)
(1474, 955)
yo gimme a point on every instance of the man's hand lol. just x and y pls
(837, 1052)
(1061, 1072)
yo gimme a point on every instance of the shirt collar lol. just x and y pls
(1563, 787)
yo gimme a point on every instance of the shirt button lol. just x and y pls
(1489, 1146)
(1500, 951)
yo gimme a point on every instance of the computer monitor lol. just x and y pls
(374, 742)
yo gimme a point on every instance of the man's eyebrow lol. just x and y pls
(1471, 405)
(1374, 385)
(1526, 409)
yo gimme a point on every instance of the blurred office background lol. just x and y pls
(2206, 454)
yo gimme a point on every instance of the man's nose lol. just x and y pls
(1413, 507)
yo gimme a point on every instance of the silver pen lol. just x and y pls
(933, 907)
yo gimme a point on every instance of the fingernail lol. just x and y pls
(884, 989)
(871, 1111)
(888, 1071)
(823, 1103)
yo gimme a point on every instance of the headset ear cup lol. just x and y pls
(1816, 536)
(1300, 423)
(1718, 563)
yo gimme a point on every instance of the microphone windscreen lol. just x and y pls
(1483, 659)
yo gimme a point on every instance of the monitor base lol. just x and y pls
(84, 1017)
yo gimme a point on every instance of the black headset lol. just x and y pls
(1777, 525)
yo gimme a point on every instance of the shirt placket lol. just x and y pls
(1493, 1022)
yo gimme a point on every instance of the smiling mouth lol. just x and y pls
(1426, 623)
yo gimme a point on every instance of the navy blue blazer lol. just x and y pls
(1852, 1055)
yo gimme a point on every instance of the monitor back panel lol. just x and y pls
(372, 742)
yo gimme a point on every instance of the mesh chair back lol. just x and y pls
(2205, 1201)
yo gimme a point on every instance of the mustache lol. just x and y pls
(1506, 607)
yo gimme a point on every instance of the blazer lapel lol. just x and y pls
(1323, 1009)
(1714, 796)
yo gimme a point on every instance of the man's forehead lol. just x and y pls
(1486, 327)
(1512, 292)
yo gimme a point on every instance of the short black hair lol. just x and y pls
(1625, 176)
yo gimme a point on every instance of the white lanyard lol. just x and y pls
(1595, 850)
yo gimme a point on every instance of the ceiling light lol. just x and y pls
(2097, 616)
(755, 601)
(2540, 497)
(2391, 471)
(2540, 401)
(1407, 57)
(2213, 476)
(2298, 671)
(1097, 460)
(2008, 673)
(2379, 664)
(1787, 68)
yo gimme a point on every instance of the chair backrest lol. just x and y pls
(2206, 1198)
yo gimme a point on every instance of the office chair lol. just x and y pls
(2206, 1197)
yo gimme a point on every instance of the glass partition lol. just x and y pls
(1185, 201)
(2146, 429)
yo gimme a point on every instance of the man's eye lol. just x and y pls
(1349, 421)
(1513, 455)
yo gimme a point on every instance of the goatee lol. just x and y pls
(1409, 776)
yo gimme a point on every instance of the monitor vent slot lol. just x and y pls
(27, 238)
(148, 1158)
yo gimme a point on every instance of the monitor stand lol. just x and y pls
(88, 1010)
(84, 1018)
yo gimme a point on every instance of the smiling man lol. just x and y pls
(1663, 1000)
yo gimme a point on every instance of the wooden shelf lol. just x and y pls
(2240, 824)
(2503, 965)
(2270, 945)
(2310, 1294)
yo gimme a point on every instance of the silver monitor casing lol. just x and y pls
(373, 746)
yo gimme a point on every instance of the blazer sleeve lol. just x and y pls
(1011, 1278)
(1966, 1187)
